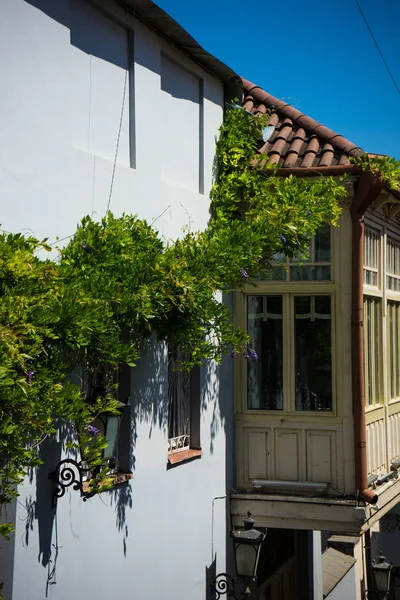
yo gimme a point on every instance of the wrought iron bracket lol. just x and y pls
(67, 473)
(225, 585)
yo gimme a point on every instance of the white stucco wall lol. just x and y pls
(346, 588)
(60, 110)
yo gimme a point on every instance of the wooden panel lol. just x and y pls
(308, 452)
(376, 446)
(287, 455)
(282, 585)
(321, 456)
(257, 454)
(394, 436)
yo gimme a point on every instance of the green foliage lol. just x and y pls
(387, 167)
(255, 213)
(116, 282)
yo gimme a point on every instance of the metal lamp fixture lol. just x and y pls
(382, 571)
(247, 547)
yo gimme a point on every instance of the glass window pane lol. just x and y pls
(310, 273)
(313, 352)
(265, 376)
(323, 244)
(277, 274)
(372, 360)
(391, 350)
(396, 349)
(301, 273)
(112, 436)
(377, 319)
(368, 353)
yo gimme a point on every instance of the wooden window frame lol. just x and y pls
(392, 256)
(289, 392)
(372, 256)
(393, 350)
(375, 397)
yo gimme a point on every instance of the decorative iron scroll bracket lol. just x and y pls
(225, 585)
(68, 472)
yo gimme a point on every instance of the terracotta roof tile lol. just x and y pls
(298, 140)
(296, 146)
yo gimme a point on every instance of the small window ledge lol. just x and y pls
(116, 479)
(183, 456)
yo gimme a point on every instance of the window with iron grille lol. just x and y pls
(183, 403)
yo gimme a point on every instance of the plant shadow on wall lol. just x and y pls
(45, 508)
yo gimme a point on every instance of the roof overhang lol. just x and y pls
(166, 26)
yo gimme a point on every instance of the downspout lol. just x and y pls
(369, 187)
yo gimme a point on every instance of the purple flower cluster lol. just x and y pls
(253, 355)
(92, 430)
(247, 354)
(85, 247)
(245, 275)
(29, 375)
(282, 238)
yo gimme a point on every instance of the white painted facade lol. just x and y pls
(68, 72)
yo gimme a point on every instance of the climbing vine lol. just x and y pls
(117, 282)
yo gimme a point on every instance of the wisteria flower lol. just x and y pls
(246, 355)
(29, 375)
(244, 275)
(282, 238)
(309, 212)
(233, 353)
(253, 355)
(92, 430)
(85, 246)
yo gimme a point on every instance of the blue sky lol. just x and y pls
(315, 54)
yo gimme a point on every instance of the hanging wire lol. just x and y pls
(118, 138)
(377, 47)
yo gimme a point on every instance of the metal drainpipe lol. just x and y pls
(368, 560)
(369, 187)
